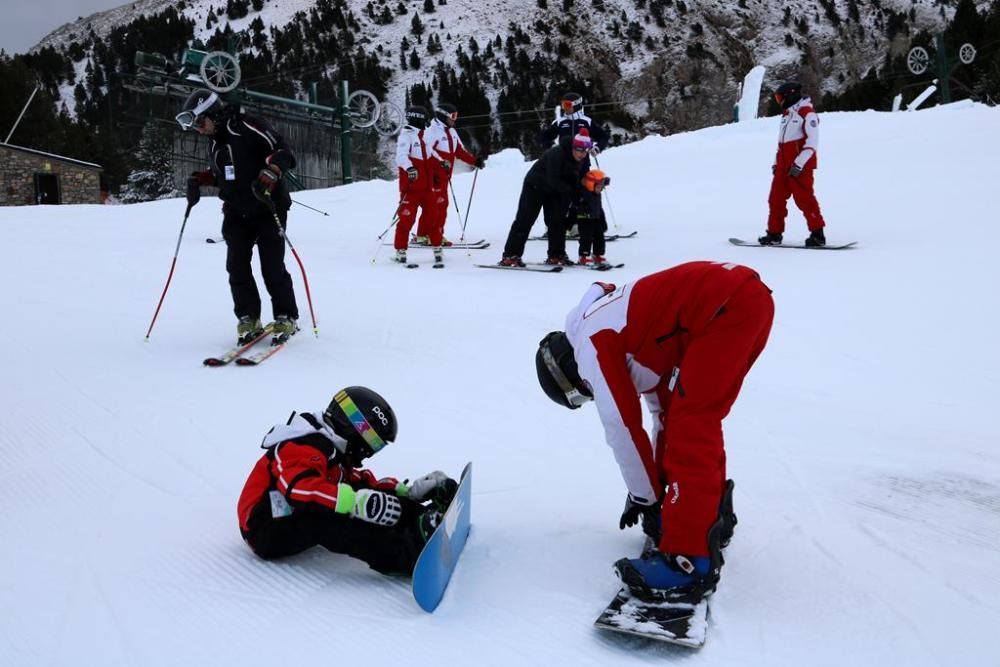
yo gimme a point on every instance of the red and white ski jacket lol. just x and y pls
(631, 341)
(412, 152)
(444, 145)
(798, 136)
(298, 463)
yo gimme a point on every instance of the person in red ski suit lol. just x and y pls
(309, 489)
(684, 339)
(444, 147)
(794, 166)
(416, 180)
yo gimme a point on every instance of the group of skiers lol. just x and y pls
(683, 338)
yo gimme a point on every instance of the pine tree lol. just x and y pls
(154, 178)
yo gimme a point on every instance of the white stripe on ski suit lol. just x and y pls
(797, 122)
(597, 312)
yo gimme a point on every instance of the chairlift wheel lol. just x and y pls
(967, 53)
(390, 119)
(220, 71)
(363, 108)
(917, 60)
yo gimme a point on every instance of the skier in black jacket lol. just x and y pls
(248, 160)
(571, 121)
(549, 186)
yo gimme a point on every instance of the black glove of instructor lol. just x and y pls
(638, 509)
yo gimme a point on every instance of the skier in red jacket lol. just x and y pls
(684, 339)
(309, 489)
(794, 167)
(416, 179)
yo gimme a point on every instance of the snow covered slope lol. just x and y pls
(864, 444)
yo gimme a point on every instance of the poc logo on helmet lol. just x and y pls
(382, 418)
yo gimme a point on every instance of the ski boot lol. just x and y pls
(585, 260)
(284, 327)
(400, 257)
(816, 240)
(420, 240)
(438, 258)
(769, 239)
(247, 329)
(658, 576)
(511, 260)
(600, 260)
(562, 260)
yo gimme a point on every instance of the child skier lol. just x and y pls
(309, 489)
(587, 214)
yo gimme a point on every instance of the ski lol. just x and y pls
(472, 245)
(255, 359)
(606, 266)
(754, 244)
(537, 268)
(608, 238)
(238, 350)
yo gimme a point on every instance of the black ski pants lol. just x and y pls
(592, 234)
(242, 232)
(386, 549)
(528, 206)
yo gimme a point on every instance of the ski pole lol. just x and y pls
(302, 268)
(611, 209)
(395, 219)
(310, 208)
(469, 205)
(170, 275)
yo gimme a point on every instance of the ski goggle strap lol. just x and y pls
(188, 119)
(574, 396)
(361, 425)
(450, 114)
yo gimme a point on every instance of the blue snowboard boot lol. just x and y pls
(662, 576)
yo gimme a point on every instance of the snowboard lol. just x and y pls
(438, 558)
(800, 246)
(677, 622)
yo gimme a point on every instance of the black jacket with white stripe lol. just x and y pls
(242, 146)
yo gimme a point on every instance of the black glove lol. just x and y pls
(436, 487)
(193, 191)
(636, 511)
(411, 174)
(774, 169)
(795, 171)
(480, 162)
(446, 165)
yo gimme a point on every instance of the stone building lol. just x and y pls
(28, 177)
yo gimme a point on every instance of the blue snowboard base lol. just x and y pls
(439, 556)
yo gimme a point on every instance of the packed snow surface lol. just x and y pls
(864, 444)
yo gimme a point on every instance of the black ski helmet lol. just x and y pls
(417, 116)
(788, 94)
(199, 104)
(572, 103)
(445, 111)
(364, 419)
(557, 372)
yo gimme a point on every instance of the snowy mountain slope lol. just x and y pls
(608, 38)
(863, 444)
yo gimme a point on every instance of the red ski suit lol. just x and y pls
(683, 338)
(798, 140)
(412, 152)
(444, 146)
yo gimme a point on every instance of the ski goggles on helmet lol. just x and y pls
(450, 114)
(371, 438)
(574, 397)
(779, 98)
(193, 118)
